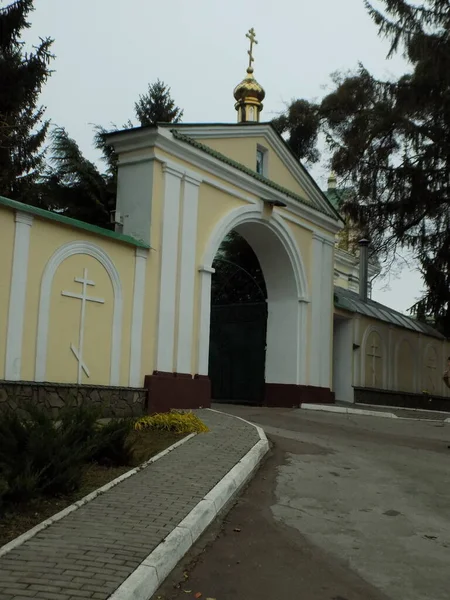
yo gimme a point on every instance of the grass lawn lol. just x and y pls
(26, 516)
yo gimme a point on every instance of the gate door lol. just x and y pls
(237, 352)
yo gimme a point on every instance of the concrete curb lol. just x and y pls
(368, 413)
(21, 539)
(347, 411)
(146, 579)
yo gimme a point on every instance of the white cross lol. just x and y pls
(374, 357)
(78, 352)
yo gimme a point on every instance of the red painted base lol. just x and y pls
(166, 391)
(285, 395)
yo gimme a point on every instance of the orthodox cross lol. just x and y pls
(374, 356)
(78, 352)
(251, 36)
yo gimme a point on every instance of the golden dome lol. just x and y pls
(249, 90)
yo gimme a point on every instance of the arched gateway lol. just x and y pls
(182, 189)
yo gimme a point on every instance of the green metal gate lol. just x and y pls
(237, 352)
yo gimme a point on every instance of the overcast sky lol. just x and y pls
(107, 51)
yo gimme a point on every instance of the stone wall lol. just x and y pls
(402, 399)
(113, 401)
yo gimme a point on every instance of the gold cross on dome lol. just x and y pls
(252, 37)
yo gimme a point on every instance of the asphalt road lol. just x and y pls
(344, 508)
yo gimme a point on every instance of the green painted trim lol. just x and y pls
(52, 216)
(240, 167)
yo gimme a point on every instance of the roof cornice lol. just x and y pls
(140, 144)
(267, 131)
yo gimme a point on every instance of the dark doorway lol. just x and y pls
(238, 324)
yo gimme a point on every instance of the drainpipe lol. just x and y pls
(363, 269)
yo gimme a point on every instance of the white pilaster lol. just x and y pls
(205, 319)
(357, 352)
(187, 274)
(316, 308)
(17, 296)
(326, 322)
(169, 259)
(391, 365)
(137, 322)
(302, 340)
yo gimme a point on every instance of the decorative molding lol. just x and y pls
(357, 352)
(63, 252)
(187, 275)
(316, 315)
(17, 296)
(169, 262)
(172, 168)
(237, 217)
(296, 169)
(326, 321)
(370, 329)
(142, 253)
(143, 140)
(252, 214)
(25, 218)
(205, 321)
(137, 319)
(204, 269)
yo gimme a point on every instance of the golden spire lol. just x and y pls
(249, 94)
(332, 181)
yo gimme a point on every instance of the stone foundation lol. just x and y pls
(113, 401)
(401, 399)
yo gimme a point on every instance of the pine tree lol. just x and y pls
(157, 106)
(77, 188)
(390, 142)
(22, 127)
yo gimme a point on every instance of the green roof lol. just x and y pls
(53, 216)
(240, 167)
(350, 301)
(337, 196)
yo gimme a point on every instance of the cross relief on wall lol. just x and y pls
(375, 355)
(78, 351)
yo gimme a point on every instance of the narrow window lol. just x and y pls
(260, 161)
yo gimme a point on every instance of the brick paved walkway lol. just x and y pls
(89, 553)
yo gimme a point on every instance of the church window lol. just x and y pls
(261, 156)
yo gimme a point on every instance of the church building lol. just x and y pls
(123, 318)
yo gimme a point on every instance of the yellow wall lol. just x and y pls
(46, 237)
(7, 228)
(243, 150)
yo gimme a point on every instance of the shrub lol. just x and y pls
(113, 445)
(178, 422)
(39, 456)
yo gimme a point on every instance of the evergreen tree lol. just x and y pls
(157, 106)
(77, 188)
(75, 185)
(22, 127)
(238, 277)
(390, 142)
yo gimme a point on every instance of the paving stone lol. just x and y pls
(91, 551)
